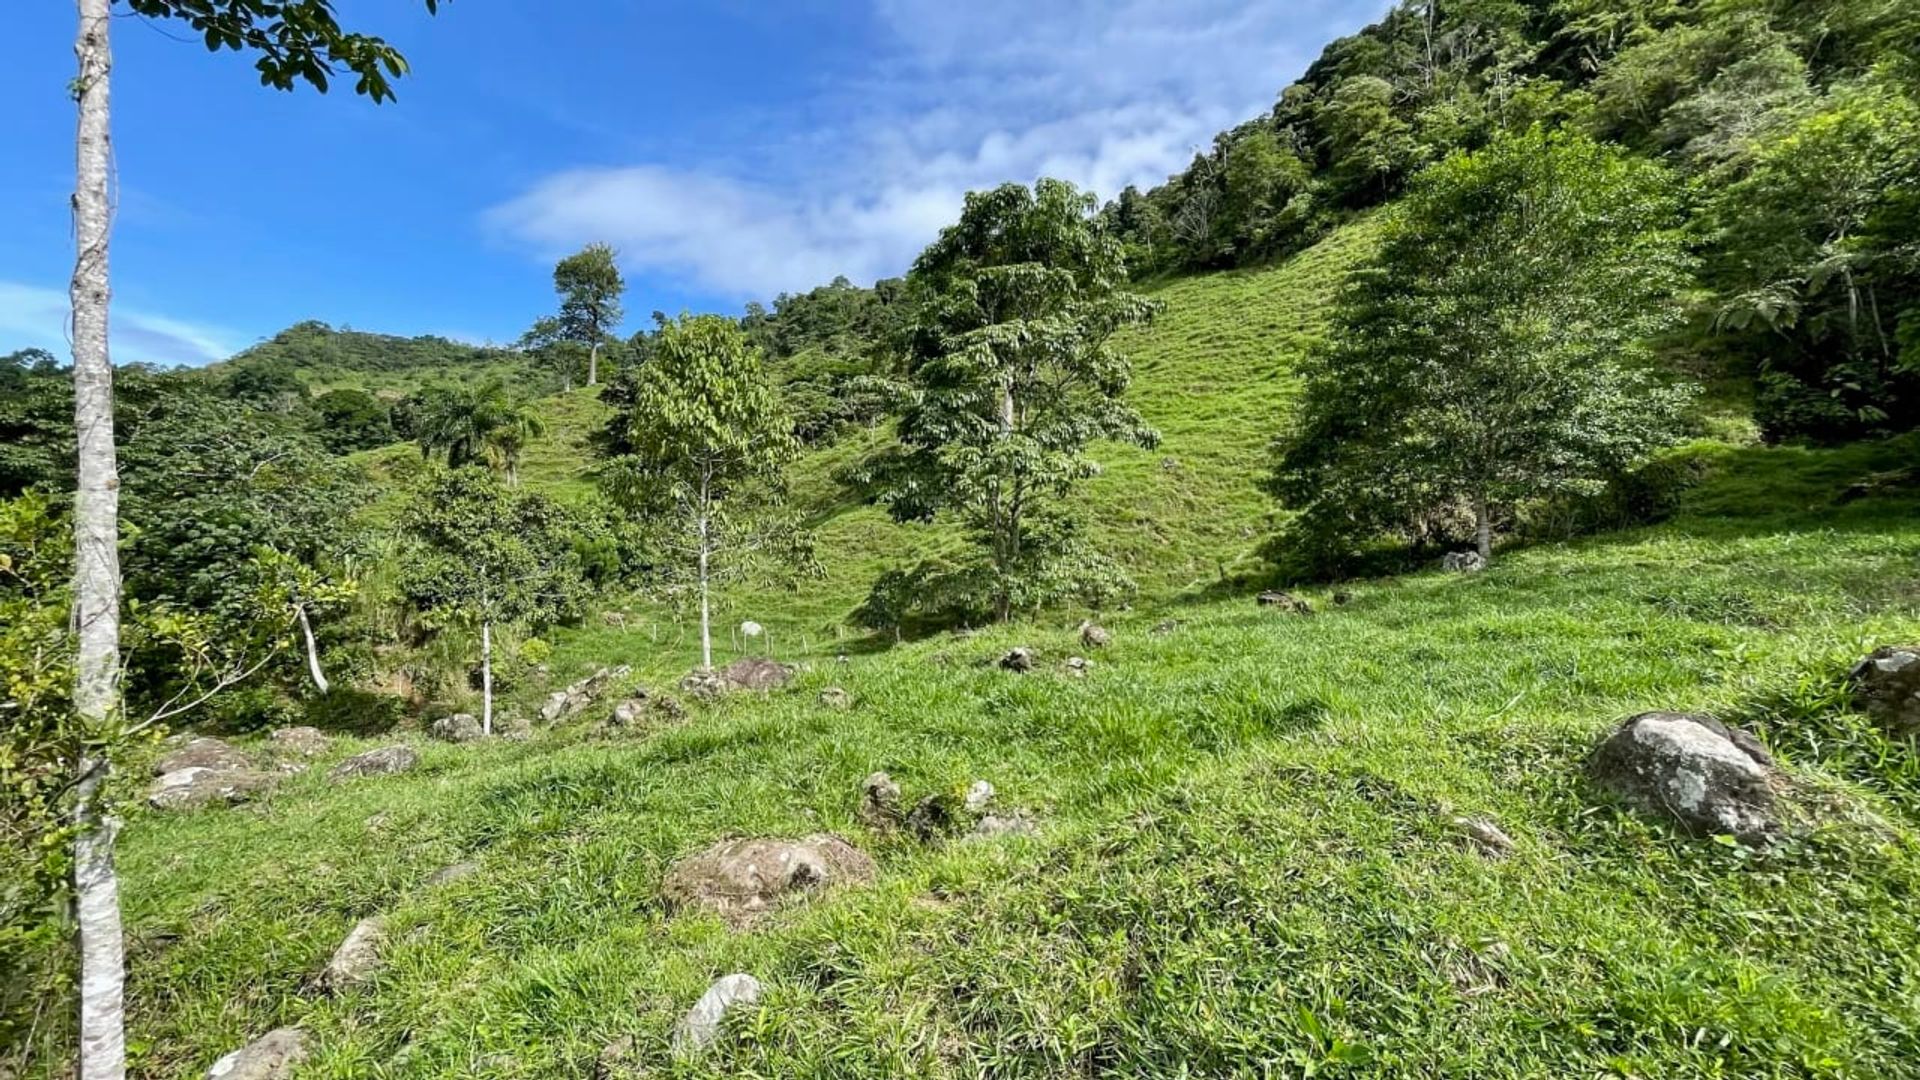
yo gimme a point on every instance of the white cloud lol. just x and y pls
(1099, 92)
(35, 317)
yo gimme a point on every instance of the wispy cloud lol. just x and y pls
(1101, 93)
(32, 316)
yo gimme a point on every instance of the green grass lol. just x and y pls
(1245, 870)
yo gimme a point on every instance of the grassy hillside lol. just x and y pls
(1246, 866)
(324, 358)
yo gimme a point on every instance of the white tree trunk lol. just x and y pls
(486, 678)
(313, 650)
(96, 561)
(593, 364)
(706, 608)
(1482, 528)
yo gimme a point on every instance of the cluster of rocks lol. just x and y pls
(564, 704)
(754, 673)
(940, 816)
(1463, 562)
(743, 879)
(205, 771)
(1023, 660)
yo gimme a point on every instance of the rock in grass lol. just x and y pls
(979, 797)
(1486, 837)
(1165, 627)
(704, 685)
(184, 789)
(614, 1059)
(743, 879)
(458, 728)
(1886, 686)
(757, 673)
(1284, 601)
(1095, 636)
(833, 697)
(303, 741)
(202, 753)
(452, 872)
(562, 704)
(1006, 823)
(701, 1027)
(382, 762)
(270, 1057)
(879, 802)
(1342, 598)
(1463, 562)
(1077, 667)
(1018, 660)
(357, 960)
(1712, 779)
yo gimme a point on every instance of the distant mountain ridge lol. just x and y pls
(322, 357)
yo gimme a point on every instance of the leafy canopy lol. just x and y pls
(292, 40)
(1497, 349)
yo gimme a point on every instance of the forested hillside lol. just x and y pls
(1282, 546)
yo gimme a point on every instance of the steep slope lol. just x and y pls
(1246, 864)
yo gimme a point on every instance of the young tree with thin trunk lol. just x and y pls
(709, 442)
(294, 41)
(1499, 348)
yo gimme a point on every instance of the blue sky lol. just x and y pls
(729, 149)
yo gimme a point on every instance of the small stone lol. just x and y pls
(1095, 636)
(1165, 627)
(384, 761)
(357, 960)
(184, 789)
(270, 1057)
(979, 797)
(1886, 687)
(1712, 779)
(935, 817)
(202, 753)
(1284, 601)
(704, 685)
(879, 802)
(701, 1027)
(1463, 562)
(1012, 823)
(304, 741)
(757, 673)
(1342, 598)
(614, 1059)
(1078, 666)
(453, 872)
(742, 879)
(1485, 836)
(833, 697)
(1019, 660)
(458, 728)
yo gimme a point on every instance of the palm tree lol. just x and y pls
(479, 424)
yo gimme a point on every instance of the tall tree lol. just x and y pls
(1497, 350)
(294, 41)
(482, 424)
(709, 440)
(590, 286)
(1013, 373)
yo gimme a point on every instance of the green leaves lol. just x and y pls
(296, 41)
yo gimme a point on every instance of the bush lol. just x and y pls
(249, 708)
(354, 711)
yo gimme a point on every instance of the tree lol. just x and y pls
(479, 554)
(1497, 349)
(589, 285)
(477, 425)
(293, 40)
(708, 443)
(350, 419)
(1012, 374)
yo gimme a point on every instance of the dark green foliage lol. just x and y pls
(350, 419)
(474, 425)
(1012, 375)
(1495, 352)
(826, 348)
(291, 40)
(311, 357)
(36, 421)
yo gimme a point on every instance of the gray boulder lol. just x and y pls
(1285, 602)
(196, 785)
(833, 697)
(202, 753)
(384, 761)
(704, 685)
(1886, 686)
(1095, 636)
(1018, 660)
(979, 796)
(1463, 562)
(458, 728)
(562, 704)
(300, 741)
(1006, 823)
(757, 673)
(701, 1027)
(1077, 666)
(1710, 778)
(270, 1057)
(1484, 836)
(357, 960)
(743, 879)
(879, 802)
